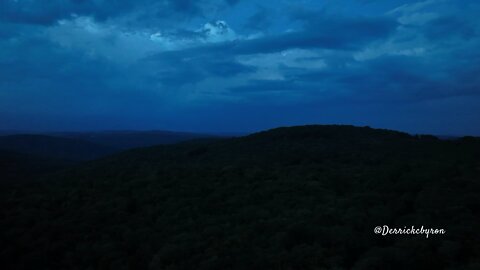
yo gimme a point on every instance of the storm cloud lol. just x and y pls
(211, 64)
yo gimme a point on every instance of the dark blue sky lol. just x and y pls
(233, 65)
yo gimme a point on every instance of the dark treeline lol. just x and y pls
(290, 198)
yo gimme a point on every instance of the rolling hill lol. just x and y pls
(305, 197)
(54, 147)
(132, 139)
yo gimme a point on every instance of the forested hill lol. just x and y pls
(132, 139)
(81, 146)
(17, 168)
(304, 197)
(288, 145)
(54, 147)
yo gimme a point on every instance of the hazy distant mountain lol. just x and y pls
(449, 137)
(290, 198)
(132, 139)
(54, 147)
(90, 145)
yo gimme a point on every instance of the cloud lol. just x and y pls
(218, 31)
(416, 6)
(447, 27)
(160, 57)
(42, 12)
(260, 20)
(347, 34)
(49, 12)
(173, 71)
(224, 68)
(350, 34)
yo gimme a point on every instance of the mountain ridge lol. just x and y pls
(290, 198)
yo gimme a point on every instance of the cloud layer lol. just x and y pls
(215, 64)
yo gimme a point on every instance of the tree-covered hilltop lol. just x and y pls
(290, 198)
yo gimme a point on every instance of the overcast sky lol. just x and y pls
(233, 65)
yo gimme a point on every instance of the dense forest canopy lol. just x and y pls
(306, 197)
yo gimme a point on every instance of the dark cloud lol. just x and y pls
(146, 59)
(224, 68)
(49, 12)
(350, 34)
(260, 20)
(176, 71)
(387, 79)
(265, 86)
(447, 27)
(194, 64)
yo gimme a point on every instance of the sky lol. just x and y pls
(240, 66)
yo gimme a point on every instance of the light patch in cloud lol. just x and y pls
(210, 32)
(416, 13)
(413, 7)
(101, 40)
(269, 64)
(388, 49)
(170, 43)
(218, 31)
(419, 18)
